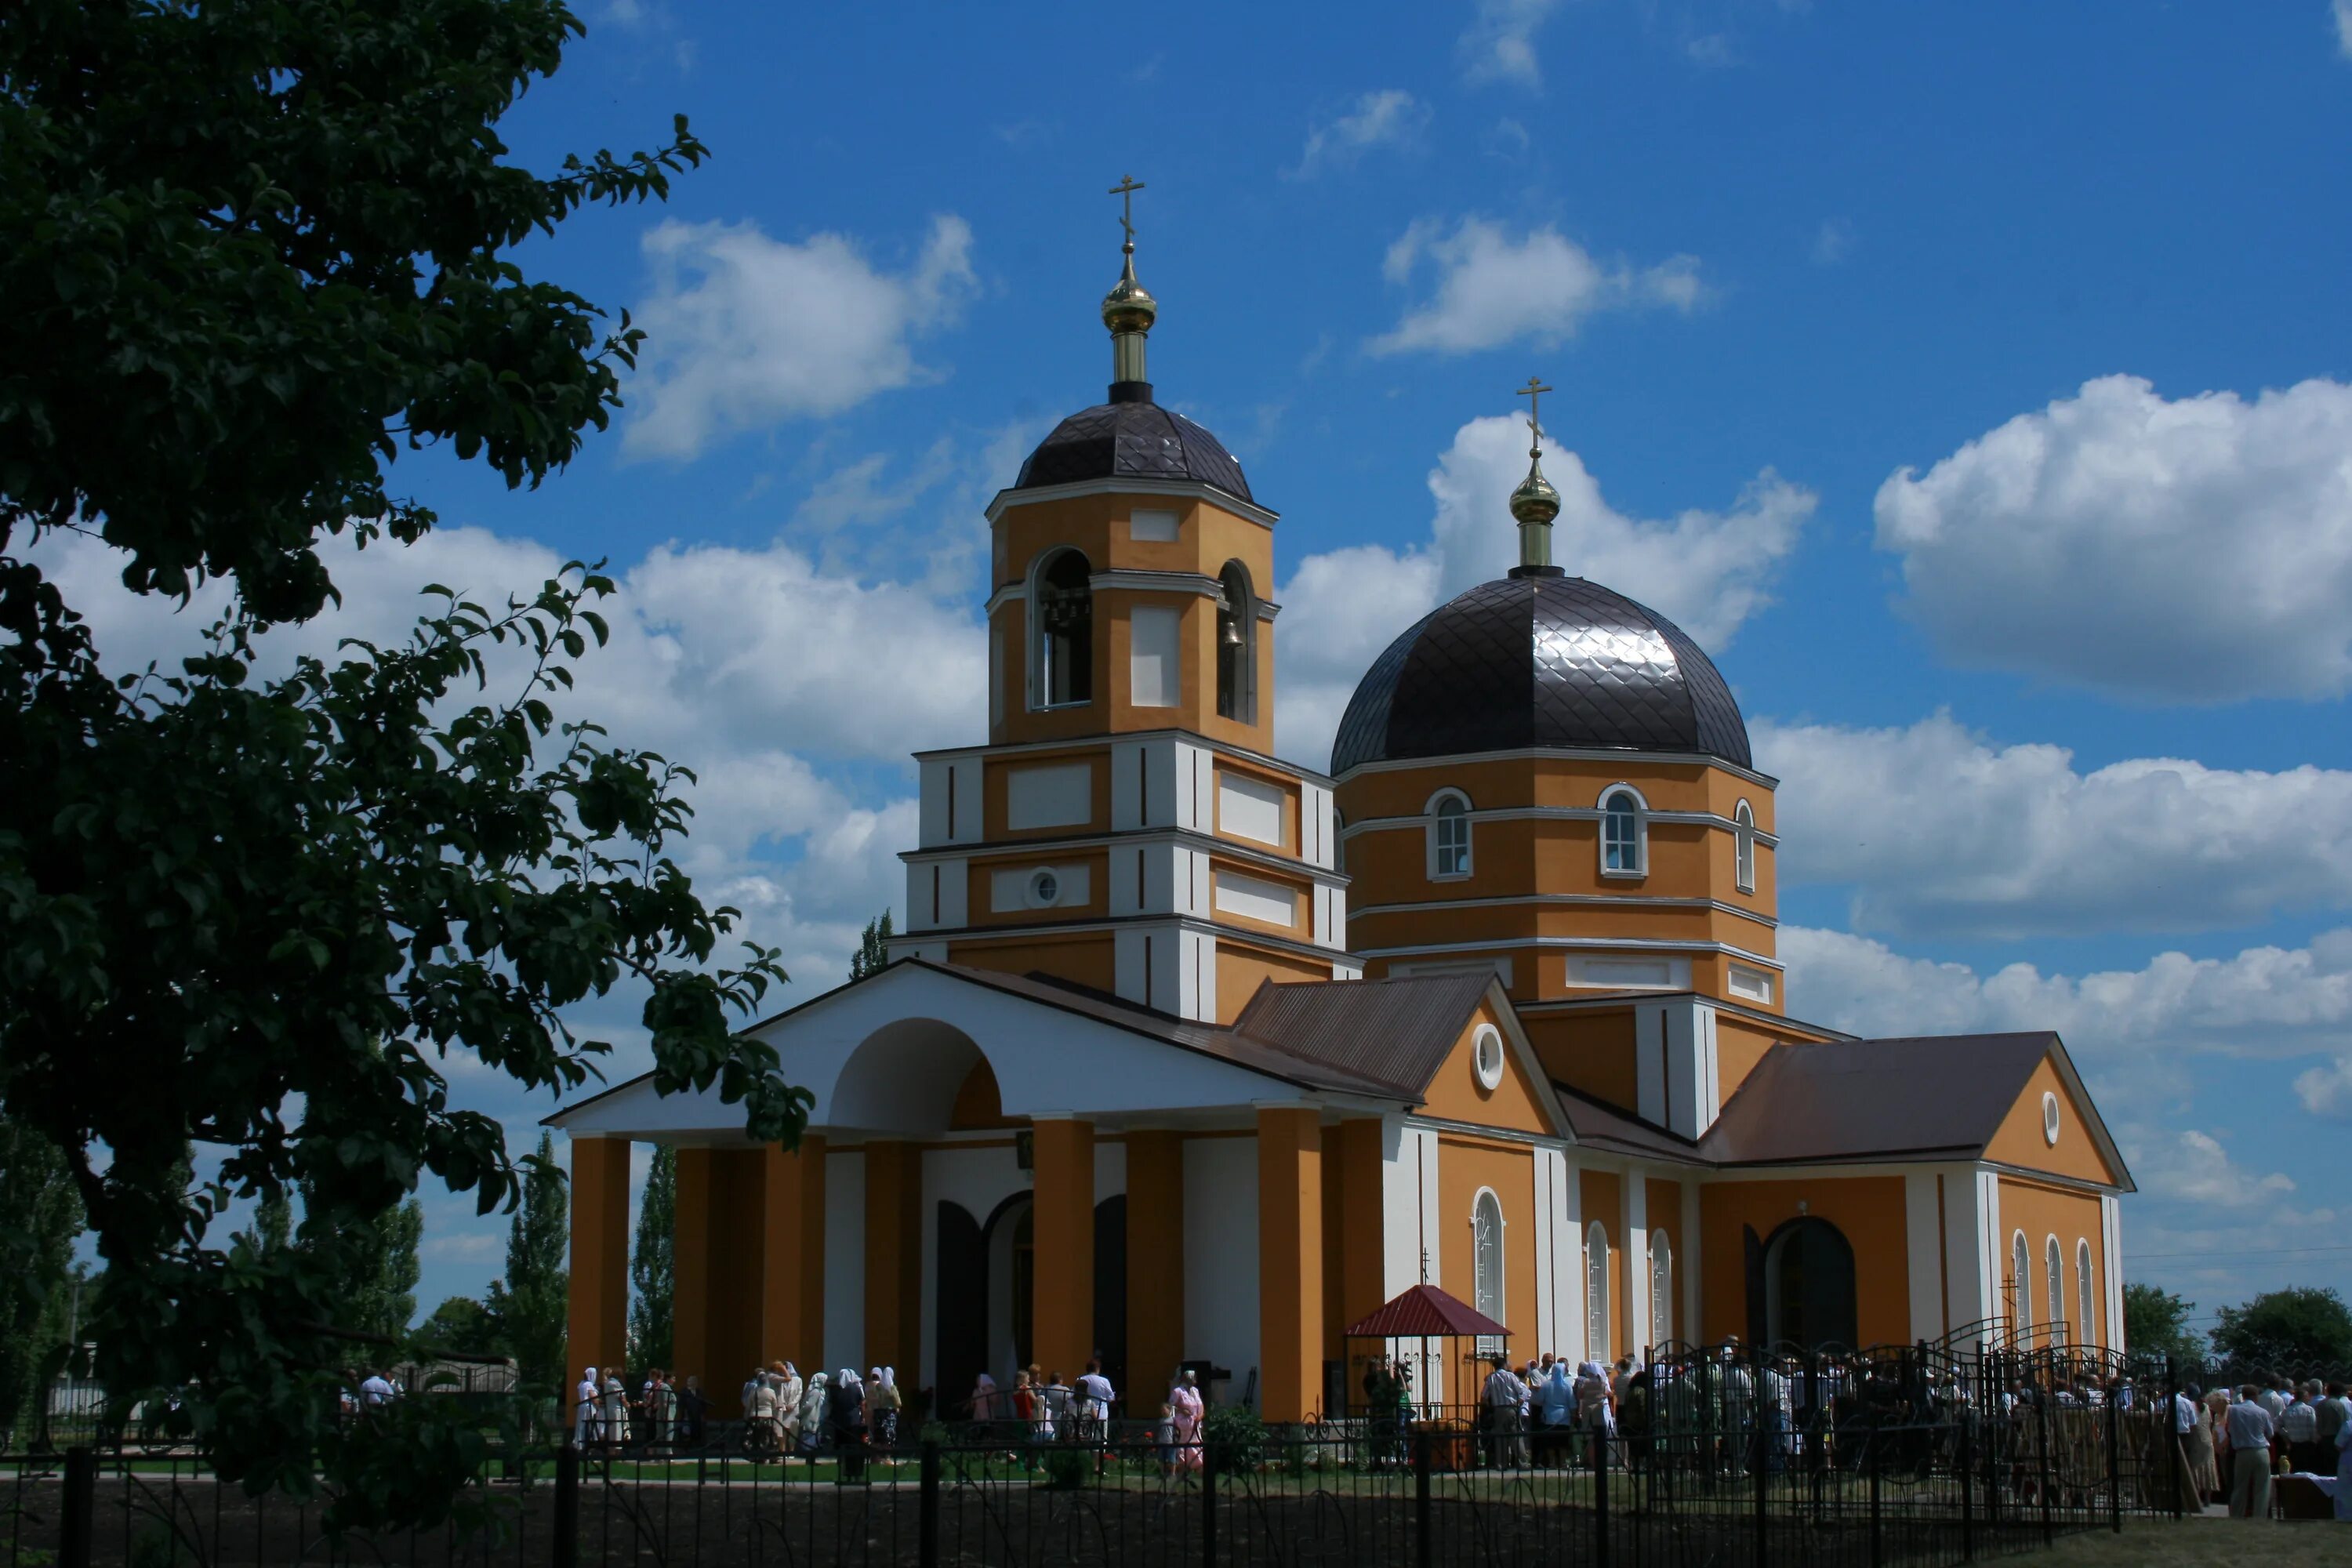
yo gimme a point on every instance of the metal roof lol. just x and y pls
(1541, 659)
(1395, 1033)
(1132, 439)
(1424, 1311)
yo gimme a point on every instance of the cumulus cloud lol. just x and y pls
(1707, 570)
(2327, 1090)
(1499, 44)
(2267, 1001)
(1937, 829)
(743, 330)
(1495, 287)
(2197, 549)
(2191, 1166)
(1390, 118)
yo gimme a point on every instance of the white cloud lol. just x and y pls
(2191, 1166)
(1499, 44)
(1833, 242)
(743, 330)
(2343, 9)
(2267, 1001)
(1390, 118)
(1705, 571)
(2327, 1090)
(2196, 549)
(1937, 829)
(1538, 286)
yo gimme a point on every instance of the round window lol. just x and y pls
(1487, 1055)
(1044, 888)
(2050, 1119)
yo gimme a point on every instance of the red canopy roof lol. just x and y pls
(1426, 1310)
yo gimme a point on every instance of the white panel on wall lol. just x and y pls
(1963, 1233)
(919, 898)
(1630, 973)
(1400, 1207)
(931, 815)
(1636, 1270)
(1920, 1235)
(964, 800)
(1196, 966)
(1161, 794)
(1992, 1245)
(1014, 887)
(1315, 842)
(1220, 1275)
(1153, 678)
(1256, 899)
(2112, 1268)
(1196, 788)
(1547, 1223)
(1250, 808)
(845, 1260)
(1650, 1063)
(1059, 795)
(1130, 787)
(1127, 878)
(1168, 971)
(1750, 984)
(1152, 527)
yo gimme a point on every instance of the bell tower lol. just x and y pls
(1126, 827)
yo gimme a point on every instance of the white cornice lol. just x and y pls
(1248, 511)
(1133, 838)
(1557, 814)
(1195, 923)
(1582, 943)
(1602, 901)
(1570, 755)
(1102, 742)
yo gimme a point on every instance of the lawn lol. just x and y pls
(2200, 1543)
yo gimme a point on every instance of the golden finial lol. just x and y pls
(1534, 503)
(1128, 307)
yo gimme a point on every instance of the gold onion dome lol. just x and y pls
(1535, 501)
(1129, 306)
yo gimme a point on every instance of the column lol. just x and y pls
(598, 1317)
(1290, 1260)
(893, 1257)
(1063, 1317)
(791, 1274)
(1155, 1265)
(1357, 1169)
(690, 1285)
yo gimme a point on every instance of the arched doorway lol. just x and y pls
(1011, 1246)
(1808, 1285)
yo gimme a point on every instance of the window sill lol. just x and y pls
(1059, 706)
(1449, 875)
(1626, 876)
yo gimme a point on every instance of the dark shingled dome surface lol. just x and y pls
(1537, 661)
(1134, 440)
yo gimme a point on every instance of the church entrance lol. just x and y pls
(1808, 1285)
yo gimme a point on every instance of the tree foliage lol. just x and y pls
(2302, 1327)
(462, 1326)
(253, 250)
(36, 1199)
(873, 954)
(374, 1289)
(529, 1305)
(653, 1262)
(2156, 1323)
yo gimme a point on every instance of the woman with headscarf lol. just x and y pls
(882, 1404)
(813, 1407)
(763, 1436)
(787, 1380)
(616, 1408)
(1189, 1412)
(844, 1423)
(984, 1399)
(1592, 1410)
(1557, 1414)
(584, 1409)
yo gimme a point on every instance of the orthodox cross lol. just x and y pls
(1125, 190)
(1533, 392)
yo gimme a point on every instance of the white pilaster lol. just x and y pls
(1920, 1232)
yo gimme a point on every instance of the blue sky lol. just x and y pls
(1974, 380)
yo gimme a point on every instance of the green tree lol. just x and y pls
(873, 954)
(529, 1305)
(252, 253)
(38, 1199)
(653, 1262)
(462, 1325)
(2303, 1327)
(2155, 1322)
(273, 1223)
(375, 1291)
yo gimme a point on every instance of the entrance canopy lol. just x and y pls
(1427, 1312)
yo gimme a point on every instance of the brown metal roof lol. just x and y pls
(1393, 1033)
(1424, 1311)
(1598, 1124)
(1847, 1100)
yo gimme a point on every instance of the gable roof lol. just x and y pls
(1395, 1033)
(1914, 1097)
(1424, 1311)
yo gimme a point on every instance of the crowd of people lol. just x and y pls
(2233, 1441)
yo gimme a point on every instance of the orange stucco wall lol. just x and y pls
(2020, 1141)
(2042, 1210)
(981, 907)
(1590, 1052)
(1241, 970)
(1466, 1165)
(1867, 1209)
(1739, 1047)
(1457, 1095)
(1088, 958)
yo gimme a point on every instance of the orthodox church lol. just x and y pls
(1191, 1056)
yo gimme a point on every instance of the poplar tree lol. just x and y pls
(653, 1264)
(529, 1305)
(873, 954)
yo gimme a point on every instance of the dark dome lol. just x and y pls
(1135, 439)
(1540, 661)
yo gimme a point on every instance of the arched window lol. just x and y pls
(2055, 1260)
(1743, 854)
(1625, 844)
(1062, 628)
(1596, 1292)
(1449, 834)
(2020, 1280)
(1236, 645)
(1487, 1258)
(2087, 1334)
(1662, 1289)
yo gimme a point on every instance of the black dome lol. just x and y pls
(1540, 661)
(1134, 439)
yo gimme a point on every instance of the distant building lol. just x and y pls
(1143, 1081)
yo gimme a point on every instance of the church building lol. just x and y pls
(1190, 1054)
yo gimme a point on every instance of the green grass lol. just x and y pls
(2200, 1543)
